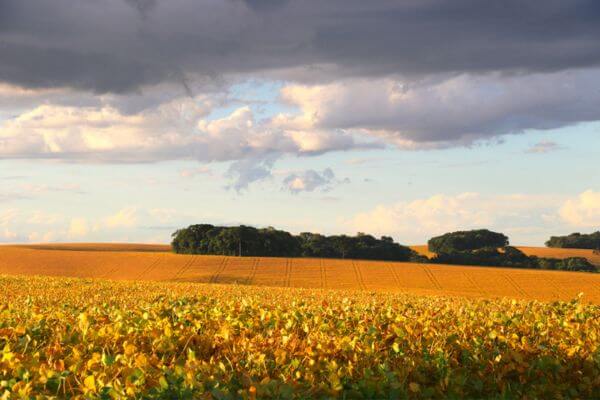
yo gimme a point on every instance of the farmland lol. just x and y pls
(592, 256)
(154, 262)
(106, 339)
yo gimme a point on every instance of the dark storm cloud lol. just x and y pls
(265, 5)
(104, 45)
(143, 6)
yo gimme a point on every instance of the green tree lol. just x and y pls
(249, 241)
(467, 241)
(576, 241)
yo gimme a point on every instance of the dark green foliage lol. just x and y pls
(479, 247)
(361, 246)
(567, 264)
(483, 247)
(237, 240)
(576, 241)
(505, 257)
(249, 241)
(467, 241)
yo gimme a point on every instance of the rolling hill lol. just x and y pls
(155, 262)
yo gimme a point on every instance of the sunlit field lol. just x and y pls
(105, 339)
(118, 262)
(213, 200)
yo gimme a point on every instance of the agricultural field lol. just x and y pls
(120, 262)
(549, 252)
(69, 337)
(138, 247)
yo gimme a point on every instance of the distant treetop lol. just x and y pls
(270, 242)
(467, 241)
(476, 247)
(484, 247)
(576, 241)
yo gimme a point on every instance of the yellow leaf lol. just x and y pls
(163, 382)
(90, 383)
(96, 358)
(141, 360)
(129, 349)
(20, 330)
(572, 350)
(167, 331)
(414, 387)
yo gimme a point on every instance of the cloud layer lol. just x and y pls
(583, 210)
(26, 226)
(520, 216)
(175, 130)
(119, 46)
(135, 81)
(449, 111)
(525, 218)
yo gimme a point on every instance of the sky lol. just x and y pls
(124, 120)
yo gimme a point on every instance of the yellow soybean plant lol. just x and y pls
(74, 338)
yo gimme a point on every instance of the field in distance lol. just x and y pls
(594, 258)
(100, 247)
(155, 262)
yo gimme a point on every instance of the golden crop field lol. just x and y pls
(423, 250)
(81, 338)
(118, 262)
(548, 252)
(101, 247)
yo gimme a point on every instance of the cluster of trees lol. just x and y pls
(233, 241)
(576, 241)
(475, 247)
(484, 247)
(250, 241)
(467, 241)
(361, 246)
(566, 264)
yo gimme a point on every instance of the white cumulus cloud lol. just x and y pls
(418, 220)
(582, 210)
(125, 218)
(78, 228)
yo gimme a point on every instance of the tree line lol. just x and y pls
(576, 241)
(484, 247)
(475, 247)
(270, 242)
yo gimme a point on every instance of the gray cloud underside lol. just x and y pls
(121, 45)
(462, 109)
(311, 180)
